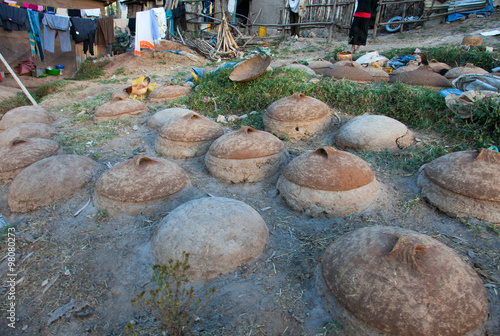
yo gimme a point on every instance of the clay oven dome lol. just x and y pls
(320, 66)
(119, 109)
(25, 114)
(424, 75)
(187, 137)
(50, 179)
(26, 130)
(302, 67)
(247, 155)
(220, 234)
(464, 184)
(349, 71)
(297, 116)
(378, 74)
(469, 68)
(373, 133)
(328, 181)
(438, 66)
(20, 153)
(168, 91)
(141, 185)
(401, 282)
(411, 66)
(160, 118)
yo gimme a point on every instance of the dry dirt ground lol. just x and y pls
(103, 262)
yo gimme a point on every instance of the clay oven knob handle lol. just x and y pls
(488, 155)
(191, 116)
(17, 141)
(298, 96)
(141, 160)
(247, 130)
(327, 152)
(405, 252)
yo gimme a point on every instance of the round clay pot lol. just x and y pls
(25, 114)
(247, 155)
(344, 56)
(401, 282)
(119, 109)
(469, 68)
(472, 40)
(26, 130)
(187, 137)
(297, 116)
(328, 181)
(50, 179)
(141, 185)
(373, 133)
(424, 75)
(349, 71)
(464, 184)
(20, 153)
(168, 91)
(160, 118)
(220, 234)
(319, 66)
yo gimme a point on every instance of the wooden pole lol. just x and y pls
(33, 101)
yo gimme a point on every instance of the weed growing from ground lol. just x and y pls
(173, 303)
(90, 69)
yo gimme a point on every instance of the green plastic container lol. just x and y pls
(52, 71)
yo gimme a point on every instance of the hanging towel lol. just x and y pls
(13, 18)
(154, 27)
(143, 32)
(105, 34)
(161, 18)
(36, 33)
(62, 11)
(170, 19)
(94, 12)
(55, 23)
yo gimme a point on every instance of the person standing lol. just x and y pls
(360, 24)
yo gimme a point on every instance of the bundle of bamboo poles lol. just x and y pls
(225, 40)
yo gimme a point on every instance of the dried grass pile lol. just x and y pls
(328, 181)
(160, 118)
(50, 179)
(297, 116)
(141, 185)
(220, 234)
(25, 114)
(21, 153)
(464, 184)
(119, 109)
(401, 282)
(168, 91)
(26, 130)
(247, 155)
(187, 137)
(373, 133)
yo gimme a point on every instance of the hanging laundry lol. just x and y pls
(120, 24)
(49, 10)
(154, 28)
(74, 13)
(162, 21)
(84, 30)
(179, 14)
(170, 22)
(55, 23)
(36, 33)
(94, 12)
(38, 8)
(131, 26)
(62, 11)
(143, 33)
(13, 18)
(105, 34)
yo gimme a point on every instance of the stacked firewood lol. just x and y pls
(226, 45)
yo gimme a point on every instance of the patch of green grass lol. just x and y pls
(330, 328)
(90, 69)
(50, 88)
(113, 80)
(8, 231)
(85, 139)
(119, 71)
(18, 100)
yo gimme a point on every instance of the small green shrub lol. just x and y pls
(18, 100)
(173, 303)
(49, 88)
(90, 69)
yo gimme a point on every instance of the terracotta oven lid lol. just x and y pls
(329, 169)
(169, 91)
(474, 174)
(320, 65)
(116, 108)
(24, 114)
(23, 152)
(250, 69)
(142, 179)
(191, 128)
(297, 107)
(247, 143)
(349, 71)
(437, 66)
(424, 75)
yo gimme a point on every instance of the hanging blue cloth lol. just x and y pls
(170, 21)
(154, 27)
(36, 32)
